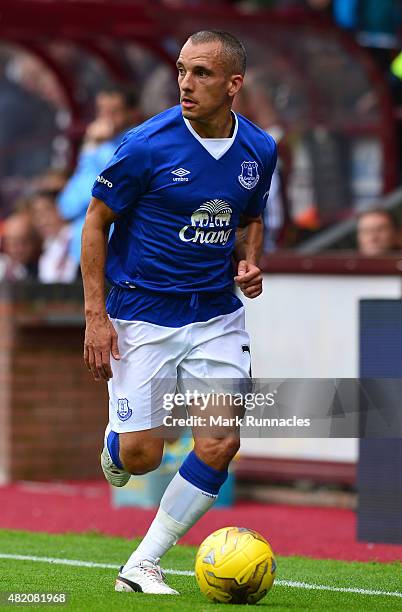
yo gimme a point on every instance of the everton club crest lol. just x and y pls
(249, 176)
(124, 411)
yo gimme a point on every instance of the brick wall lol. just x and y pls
(52, 413)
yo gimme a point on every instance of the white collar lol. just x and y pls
(217, 147)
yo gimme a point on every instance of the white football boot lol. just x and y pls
(113, 474)
(146, 577)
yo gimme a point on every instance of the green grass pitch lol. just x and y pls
(90, 589)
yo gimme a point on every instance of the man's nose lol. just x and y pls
(187, 83)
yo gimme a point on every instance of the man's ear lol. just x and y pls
(235, 84)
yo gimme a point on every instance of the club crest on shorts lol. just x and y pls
(124, 411)
(249, 177)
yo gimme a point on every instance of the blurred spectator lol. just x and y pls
(377, 25)
(345, 13)
(395, 81)
(377, 233)
(21, 248)
(159, 91)
(116, 111)
(376, 22)
(254, 102)
(52, 182)
(55, 262)
(90, 73)
(27, 124)
(319, 6)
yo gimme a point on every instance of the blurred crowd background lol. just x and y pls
(324, 78)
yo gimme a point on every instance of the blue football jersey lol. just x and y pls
(179, 206)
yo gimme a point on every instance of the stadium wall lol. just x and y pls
(307, 326)
(52, 414)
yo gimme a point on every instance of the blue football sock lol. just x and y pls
(113, 447)
(187, 498)
(202, 475)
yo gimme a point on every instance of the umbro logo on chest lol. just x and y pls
(181, 175)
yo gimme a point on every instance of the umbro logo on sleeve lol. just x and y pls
(101, 179)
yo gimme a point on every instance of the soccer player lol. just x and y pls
(177, 189)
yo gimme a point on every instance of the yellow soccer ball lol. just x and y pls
(235, 565)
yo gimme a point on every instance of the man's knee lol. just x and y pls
(139, 455)
(218, 452)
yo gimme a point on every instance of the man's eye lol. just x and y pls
(181, 71)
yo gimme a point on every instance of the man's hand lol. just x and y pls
(100, 342)
(249, 279)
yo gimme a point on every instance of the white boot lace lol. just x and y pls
(153, 570)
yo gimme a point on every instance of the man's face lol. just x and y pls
(205, 86)
(376, 235)
(45, 217)
(18, 239)
(111, 107)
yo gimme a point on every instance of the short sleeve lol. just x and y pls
(259, 199)
(126, 176)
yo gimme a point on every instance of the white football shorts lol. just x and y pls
(152, 354)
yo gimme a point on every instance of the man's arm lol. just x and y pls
(247, 253)
(100, 336)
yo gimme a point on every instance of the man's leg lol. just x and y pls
(135, 404)
(139, 452)
(130, 453)
(218, 353)
(149, 354)
(187, 498)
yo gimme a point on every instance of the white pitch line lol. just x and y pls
(323, 587)
(286, 583)
(78, 563)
